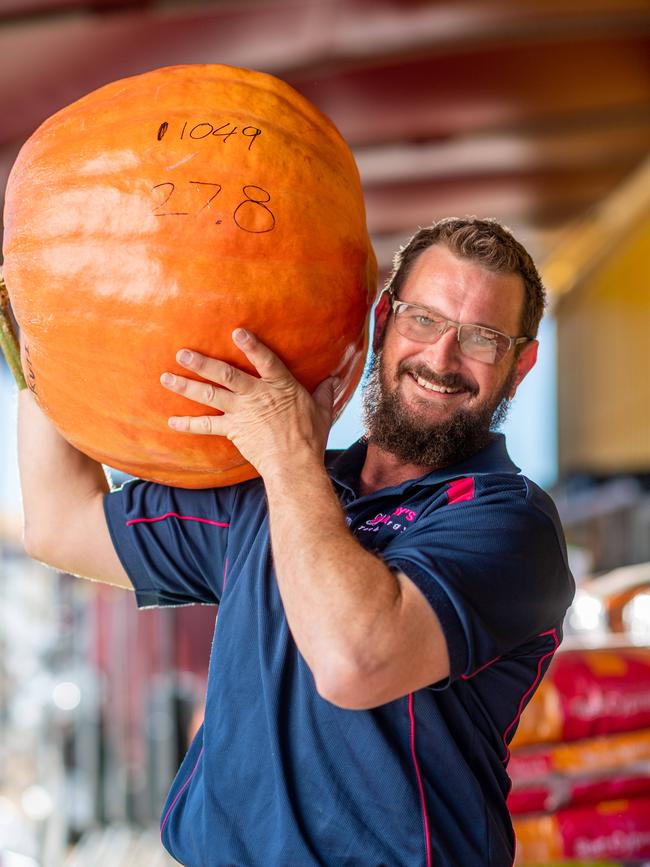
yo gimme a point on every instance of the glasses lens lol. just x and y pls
(483, 344)
(419, 324)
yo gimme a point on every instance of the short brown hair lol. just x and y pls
(486, 242)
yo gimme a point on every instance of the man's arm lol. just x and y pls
(368, 635)
(63, 490)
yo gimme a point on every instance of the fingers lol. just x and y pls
(216, 371)
(201, 392)
(265, 362)
(226, 386)
(211, 425)
(205, 393)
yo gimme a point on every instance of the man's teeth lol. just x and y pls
(441, 388)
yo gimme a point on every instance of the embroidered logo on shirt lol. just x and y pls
(373, 524)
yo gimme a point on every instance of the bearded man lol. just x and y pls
(385, 613)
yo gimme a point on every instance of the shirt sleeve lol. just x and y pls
(493, 568)
(171, 541)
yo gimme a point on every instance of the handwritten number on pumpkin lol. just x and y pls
(224, 135)
(164, 202)
(251, 215)
(204, 130)
(250, 220)
(213, 196)
(31, 376)
(253, 134)
(172, 187)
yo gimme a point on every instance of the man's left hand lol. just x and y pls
(272, 420)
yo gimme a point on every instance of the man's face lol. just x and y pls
(406, 411)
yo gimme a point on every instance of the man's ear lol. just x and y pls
(381, 315)
(525, 363)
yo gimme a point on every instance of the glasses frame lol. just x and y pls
(449, 323)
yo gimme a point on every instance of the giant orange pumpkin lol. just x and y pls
(163, 211)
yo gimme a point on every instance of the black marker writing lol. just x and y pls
(251, 215)
(204, 130)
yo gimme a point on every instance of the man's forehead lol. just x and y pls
(465, 290)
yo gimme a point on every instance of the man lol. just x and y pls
(384, 616)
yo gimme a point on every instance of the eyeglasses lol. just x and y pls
(425, 325)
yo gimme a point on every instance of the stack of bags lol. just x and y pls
(580, 764)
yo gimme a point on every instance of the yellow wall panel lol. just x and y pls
(604, 363)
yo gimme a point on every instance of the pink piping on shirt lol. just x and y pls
(459, 490)
(179, 793)
(180, 518)
(476, 671)
(419, 777)
(538, 677)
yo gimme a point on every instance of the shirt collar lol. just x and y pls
(345, 466)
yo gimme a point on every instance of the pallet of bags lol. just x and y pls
(609, 829)
(551, 776)
(580, 761)
(587, 693)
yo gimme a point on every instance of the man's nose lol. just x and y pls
(444, 355)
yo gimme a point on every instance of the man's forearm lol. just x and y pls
(340, 600)
(52, 473)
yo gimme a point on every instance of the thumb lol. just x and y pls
(324, 394)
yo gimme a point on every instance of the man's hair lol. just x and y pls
(486, 242)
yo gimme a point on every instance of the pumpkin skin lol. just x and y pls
(163, 211)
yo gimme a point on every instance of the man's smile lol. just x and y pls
(450, 389)
(443, 391)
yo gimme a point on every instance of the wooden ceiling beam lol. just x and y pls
(357, 28)
(560, 147)
(440, 96)
(541, 198)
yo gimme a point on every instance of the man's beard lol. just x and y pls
(414, 439)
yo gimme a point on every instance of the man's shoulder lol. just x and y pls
(500, 501)
(506, 485)
(518, 492)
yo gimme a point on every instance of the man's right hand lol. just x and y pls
(63, 491)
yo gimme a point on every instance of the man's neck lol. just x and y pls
(381, 469)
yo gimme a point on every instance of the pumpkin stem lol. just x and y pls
(8, 338)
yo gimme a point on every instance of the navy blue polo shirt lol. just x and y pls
(279, 777)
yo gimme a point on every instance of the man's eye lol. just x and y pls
(484, 338)
(426, 321)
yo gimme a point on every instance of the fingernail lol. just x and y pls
(168, 379)
(185, 356)
(240, 335)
